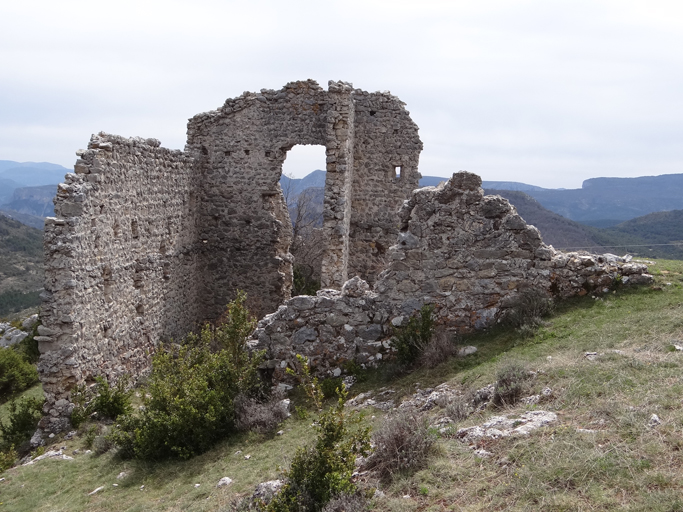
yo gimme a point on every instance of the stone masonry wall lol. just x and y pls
(121, 259)
(240, 149)
(470, 254)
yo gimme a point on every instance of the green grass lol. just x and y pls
(623, 465)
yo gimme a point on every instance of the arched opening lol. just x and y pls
(303, 185)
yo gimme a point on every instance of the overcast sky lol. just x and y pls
(540, 91)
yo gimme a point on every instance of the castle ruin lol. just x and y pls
(147, 243)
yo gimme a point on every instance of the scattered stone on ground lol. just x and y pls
(482, 453)
(506, 426)
(52, 454)
(466, 351)
(534, 399)
(265, 491)
(224, 482)
(654, 421)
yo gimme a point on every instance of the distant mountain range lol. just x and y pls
(27, 189)
(606, 199)
(600, 202)
(567, 218)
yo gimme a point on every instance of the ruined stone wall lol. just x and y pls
(386, 153)
(240, 149)
(245, 226)
(147, 243)
(467, 254)
(330, 329)
(121, 261)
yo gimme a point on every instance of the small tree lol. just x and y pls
(323, 471)
(413, 338)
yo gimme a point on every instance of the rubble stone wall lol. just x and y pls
(470, 255)
(121, 264)
(466, 254)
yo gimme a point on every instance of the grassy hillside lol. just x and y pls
(603, 453)
(21, 265)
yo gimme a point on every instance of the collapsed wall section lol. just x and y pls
(121, 258)
(468, 255)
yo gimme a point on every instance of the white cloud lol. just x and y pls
(542, 91)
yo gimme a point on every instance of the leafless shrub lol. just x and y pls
(402, 443)
(526, 310)
(511, 383)
(459, 408)
(347, 503)
(259, 416)
(441, 347)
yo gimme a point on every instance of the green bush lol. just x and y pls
(16, 374)
(28, 347)
(321, 472)
(7, 459)
(23, 420)
(189, 404)
(102, 399)
(329, 386)
(412, 339)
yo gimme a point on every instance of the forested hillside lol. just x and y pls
(21, 265)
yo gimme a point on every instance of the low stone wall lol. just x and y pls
(330, 329)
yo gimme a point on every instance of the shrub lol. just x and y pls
(22, 422)
(112, 402)
(510, 384)
(441, 347)
(190, 400)
(28, 348)
(347, 503)
(253, 414)
(458, 408)
(323, 471)
(7, 459)
(16, 374)
(106, 401)
(329, 387)
(402, 443)
(102, 444)
(412, 339)
(527, 309)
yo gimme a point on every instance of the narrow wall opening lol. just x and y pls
(303, 185)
